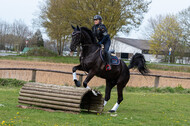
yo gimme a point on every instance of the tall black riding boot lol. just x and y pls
(108, 60)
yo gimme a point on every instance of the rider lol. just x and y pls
(100, 32)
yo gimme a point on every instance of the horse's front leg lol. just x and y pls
(75, 68)
(90, 75)
(88, 78)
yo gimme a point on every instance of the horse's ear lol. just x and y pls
(78, 28)
(73, 27)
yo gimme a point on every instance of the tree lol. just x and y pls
(184, 20)
(118, 15)
(52, 18)
(152, 23)
(21, 31)
(4, 31)
(167, 35)
(38, 39)
(13, 36)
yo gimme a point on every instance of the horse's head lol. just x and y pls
(76, 38)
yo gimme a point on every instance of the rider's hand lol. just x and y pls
(99, 43)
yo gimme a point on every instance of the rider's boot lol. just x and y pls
(108, 60)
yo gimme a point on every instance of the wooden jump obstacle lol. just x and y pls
(61, 98)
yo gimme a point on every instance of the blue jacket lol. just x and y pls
(100, 32)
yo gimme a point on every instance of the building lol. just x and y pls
(125, 48)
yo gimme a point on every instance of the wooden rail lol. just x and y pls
(34, 70)
(157, 78)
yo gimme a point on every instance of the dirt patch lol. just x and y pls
(62, 79)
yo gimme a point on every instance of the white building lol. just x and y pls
(125, 48)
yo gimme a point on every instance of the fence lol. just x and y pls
(33, 78)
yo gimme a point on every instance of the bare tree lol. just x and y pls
(4, 31)
(149, 29)
(21, 30)
(184, 20)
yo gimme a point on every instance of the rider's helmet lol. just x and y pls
(97, 17)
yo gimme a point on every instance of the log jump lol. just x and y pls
(61, 98)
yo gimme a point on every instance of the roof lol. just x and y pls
(26, 49)
(138, 43)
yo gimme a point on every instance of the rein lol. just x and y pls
(92, 53)
(88, 45)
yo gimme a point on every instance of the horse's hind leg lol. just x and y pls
(120, 97)
(109, 86)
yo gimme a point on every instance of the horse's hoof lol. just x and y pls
(111, 111)
(77, 83)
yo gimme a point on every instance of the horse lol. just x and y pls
(92, 63)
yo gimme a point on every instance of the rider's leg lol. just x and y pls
(107, 54)
(107, 45)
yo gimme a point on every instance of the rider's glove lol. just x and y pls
(99, 43)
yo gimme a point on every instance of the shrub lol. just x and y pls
(168, 90)
(11, 82)
(40, 51)
(179, 89)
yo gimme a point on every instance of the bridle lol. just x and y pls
(81, 35)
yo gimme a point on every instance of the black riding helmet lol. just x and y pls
(97, 17)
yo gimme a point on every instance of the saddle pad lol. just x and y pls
(114, 59)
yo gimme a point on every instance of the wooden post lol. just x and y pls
(80, 78)
(156, 81)
(33, 76)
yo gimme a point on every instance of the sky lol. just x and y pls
(26, 10)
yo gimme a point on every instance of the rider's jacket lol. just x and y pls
(99, 31)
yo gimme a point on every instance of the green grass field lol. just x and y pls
(55, 59)
(75, 60)
(137, 109)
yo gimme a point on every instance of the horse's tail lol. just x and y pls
(138, 61)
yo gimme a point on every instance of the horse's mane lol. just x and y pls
(90, 33)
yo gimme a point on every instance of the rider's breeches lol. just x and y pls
(106, 51)
(107, 44)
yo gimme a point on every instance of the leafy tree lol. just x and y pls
(167, 35)
(53, 19)
(38, 38)
(118, 15)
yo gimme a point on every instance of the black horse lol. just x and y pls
(91, 62)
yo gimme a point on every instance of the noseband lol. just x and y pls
(77, 32)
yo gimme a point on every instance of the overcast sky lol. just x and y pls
(26, 10)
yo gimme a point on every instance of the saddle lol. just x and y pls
(114, 59)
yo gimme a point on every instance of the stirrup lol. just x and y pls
(108, 67)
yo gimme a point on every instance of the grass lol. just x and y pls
(140, 107)
(179, 89)
(169, 68)
(75, 60)
(55, 59)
